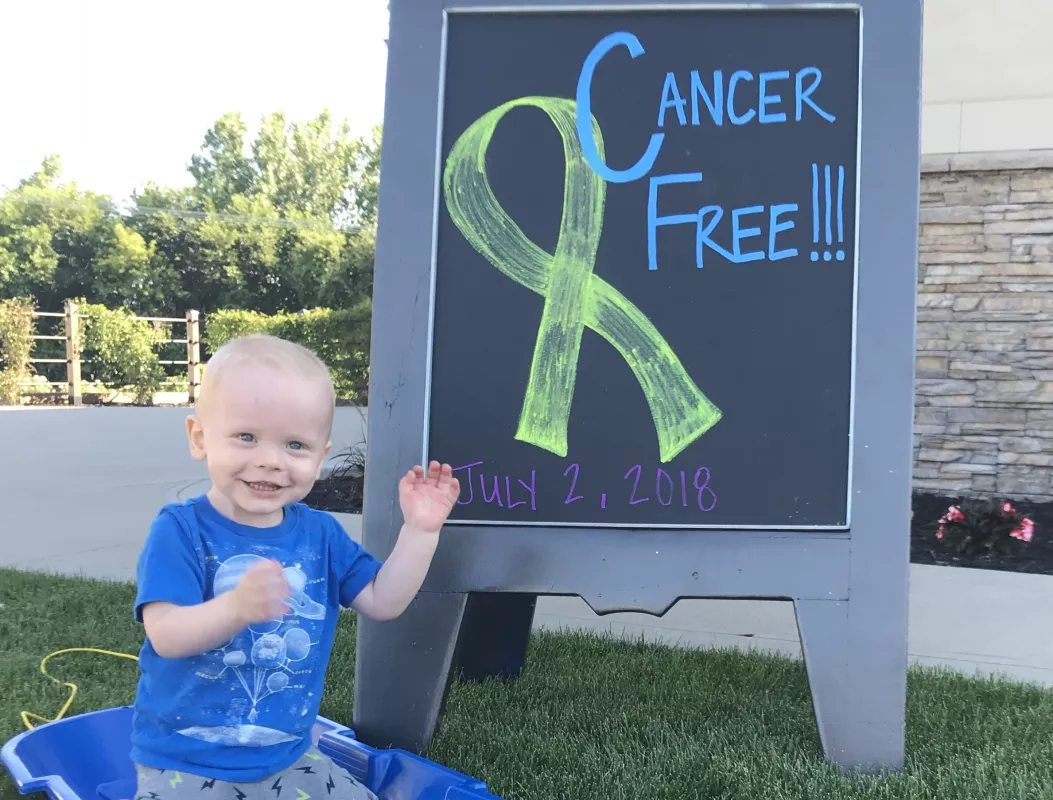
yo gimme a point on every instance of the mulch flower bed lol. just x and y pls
(927, 548)
(340, 490)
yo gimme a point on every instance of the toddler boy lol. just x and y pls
(240, 589)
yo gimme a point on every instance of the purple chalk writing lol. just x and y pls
(498, 489)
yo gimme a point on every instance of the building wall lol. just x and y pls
(984, 374)
(987, 76)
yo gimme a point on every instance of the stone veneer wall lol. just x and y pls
(984, 375)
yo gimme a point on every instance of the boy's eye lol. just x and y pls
(295, 445)
(246, 437)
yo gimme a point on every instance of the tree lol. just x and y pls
(313, 167)
(51, 237)
(296, 234)
(365, 178)
(221, 170)
(130, 274)
(281, 223)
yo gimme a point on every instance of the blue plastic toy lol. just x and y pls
(86, 758)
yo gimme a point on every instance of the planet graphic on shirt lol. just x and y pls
(269, 651)
(258, 662)
(297, 644)
(277, 681)
(235, 658)
(227, 577)
(298, 603)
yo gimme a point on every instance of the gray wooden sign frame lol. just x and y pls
(849, 589)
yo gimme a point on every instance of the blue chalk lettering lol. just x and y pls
(654, 221)
(715, 104)
(676, 101)
(829, 236)
(805, 95)
(815, 210)
(738, 234)
(776, 228)
(737, 119)
(584, 100)
(840, 205)
(770, 99)
(702, 235)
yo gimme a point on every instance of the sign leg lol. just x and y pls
(402, 669)
(494, 636)
(858, 685)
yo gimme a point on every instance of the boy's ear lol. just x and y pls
(196, 435)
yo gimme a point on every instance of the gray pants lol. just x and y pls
(313, 777)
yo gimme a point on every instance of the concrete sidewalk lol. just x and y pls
(97, 477)
(973, 621)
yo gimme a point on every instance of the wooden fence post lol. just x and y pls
(193, 355)
(72, 355)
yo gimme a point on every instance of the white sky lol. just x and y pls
(124, 90)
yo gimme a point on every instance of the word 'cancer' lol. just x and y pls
(760, 103)
(765, 108)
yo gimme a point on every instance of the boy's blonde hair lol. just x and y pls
(266, 350)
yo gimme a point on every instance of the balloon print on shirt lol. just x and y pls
(260, 660)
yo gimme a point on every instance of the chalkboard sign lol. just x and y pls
(645, 271)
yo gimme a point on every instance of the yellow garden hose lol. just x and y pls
(28, 718)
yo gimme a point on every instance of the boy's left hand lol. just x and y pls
(427, 499)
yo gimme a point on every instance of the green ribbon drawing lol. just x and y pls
(575, 298)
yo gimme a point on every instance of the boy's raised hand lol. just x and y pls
(428, 498)
(261, 593)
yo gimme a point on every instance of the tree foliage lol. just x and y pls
(16, 347)
(118, 350)
(340, 337)
(277, 223)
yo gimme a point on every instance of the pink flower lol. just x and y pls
(1025, 532)
(954, 514)
(1007, 507)
(939, 532)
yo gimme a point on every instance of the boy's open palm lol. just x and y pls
(428, 498)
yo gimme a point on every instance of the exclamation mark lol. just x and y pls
(829, 238)
(815, 210)
(840, 212)
(827, 212)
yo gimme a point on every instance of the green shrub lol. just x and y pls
(118, 350)
(16, 348)
(340, 337)
(222, 326)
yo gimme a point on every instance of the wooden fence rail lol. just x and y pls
(71, 321)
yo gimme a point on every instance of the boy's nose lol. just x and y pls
(267, 458)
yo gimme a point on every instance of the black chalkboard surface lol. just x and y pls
(650, 324)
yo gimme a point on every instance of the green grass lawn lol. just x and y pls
(592, 718)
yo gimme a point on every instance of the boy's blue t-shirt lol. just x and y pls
(242, 711)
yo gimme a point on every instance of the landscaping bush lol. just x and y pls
(16, 348)
(119, 350)
(340, 337)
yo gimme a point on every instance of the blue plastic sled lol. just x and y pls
(86, 758)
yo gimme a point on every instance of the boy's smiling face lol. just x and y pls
(264, 431)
